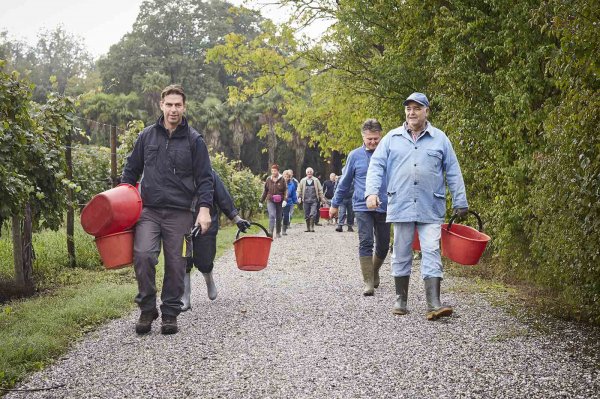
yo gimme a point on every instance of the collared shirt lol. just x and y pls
(355, 172)
(416, 173)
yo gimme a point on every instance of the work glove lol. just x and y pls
(460, 213)
(243, 225)
(284, 204)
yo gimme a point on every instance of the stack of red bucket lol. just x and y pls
(109, 217)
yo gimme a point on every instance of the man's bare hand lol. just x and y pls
(203, 220)
(333, 212)
(373, 201)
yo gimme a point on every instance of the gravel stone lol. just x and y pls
(301, 329)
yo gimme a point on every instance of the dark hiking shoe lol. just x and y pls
(169, 325)
(339, 229)
(350, 228)
(144, 323)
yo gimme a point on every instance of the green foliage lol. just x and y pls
(244, 187)
(91, 171)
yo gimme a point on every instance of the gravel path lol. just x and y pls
(301, 329)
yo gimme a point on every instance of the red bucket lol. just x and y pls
(324, 213)
(416, 245)
(252, 252)
(116, 250)
(463, 244)
(112, 211)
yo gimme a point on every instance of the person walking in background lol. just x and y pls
(328, 190)
(346, 212)
(174, 161)
(275, 192)
(309, 193)
(415, 161)
(295, 182)
(373, 231)
(291, 200)
(205, 245)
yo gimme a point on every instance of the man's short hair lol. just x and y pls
(371, 125)
(173, 89)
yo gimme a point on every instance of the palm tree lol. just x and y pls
(212, 115)
(242, 116)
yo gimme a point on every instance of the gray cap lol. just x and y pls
(419, 98)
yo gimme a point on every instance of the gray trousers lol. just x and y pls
(156, 226)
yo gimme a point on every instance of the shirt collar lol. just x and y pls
(404, 131)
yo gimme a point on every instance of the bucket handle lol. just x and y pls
(255, 224)
(479, 222)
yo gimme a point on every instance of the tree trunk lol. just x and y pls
(27, 250)
(18, 251)
(238, 139)
(299, 152)
(271, 141)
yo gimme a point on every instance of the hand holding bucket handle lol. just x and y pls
(479, 222)
(254, 224)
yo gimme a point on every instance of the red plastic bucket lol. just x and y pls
(416, 245)
(252, 252)
(112, 211)
(324, 213)
(463, 244)
(116, 250)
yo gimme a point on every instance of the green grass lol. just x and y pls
(70, 302)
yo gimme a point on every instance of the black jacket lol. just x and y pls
(221, 201)
(176, 170)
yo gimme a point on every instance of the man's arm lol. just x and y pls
(135, 163)
(376, 171)
(344, 184)
(454, 178)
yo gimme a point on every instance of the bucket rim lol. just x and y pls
(452, 233)
(115, 234)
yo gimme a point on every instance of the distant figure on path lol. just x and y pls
(275, 192)
(177, 178)
(345, 212)
(413, 160)
(373, 230)
(291, 200)
(310, 192)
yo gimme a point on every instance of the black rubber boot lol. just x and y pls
(311, 223)
(307, 226)
(169, 325)
(144, 323)
(435, 309)
(284, 231)
(278, 228)
(400, 306)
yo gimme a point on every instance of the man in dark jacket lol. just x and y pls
(205, 245)
(177, 177)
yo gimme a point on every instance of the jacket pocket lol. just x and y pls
(434, 159)
(439, 204)
(150, 155)
(182, 162)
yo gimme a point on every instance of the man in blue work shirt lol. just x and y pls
(413, 160)
(373, 230)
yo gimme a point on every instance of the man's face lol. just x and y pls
(416, 115)
(371, 139)
(173, 108)
(309, 173)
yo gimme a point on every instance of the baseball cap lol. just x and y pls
(418, 98)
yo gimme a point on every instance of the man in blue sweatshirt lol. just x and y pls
(416, 161)
(373, 230)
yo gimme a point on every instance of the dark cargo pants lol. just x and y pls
(156, 226)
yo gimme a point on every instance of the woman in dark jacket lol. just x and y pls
(205, 245)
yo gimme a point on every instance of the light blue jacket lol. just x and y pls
(355, 172)
(415, 175)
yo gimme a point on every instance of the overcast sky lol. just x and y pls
(100, 23)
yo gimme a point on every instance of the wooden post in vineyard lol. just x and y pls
(113, 155)
(70, 203)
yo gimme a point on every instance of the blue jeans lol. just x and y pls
(429, 237)
(346, 214)
(373, 231)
